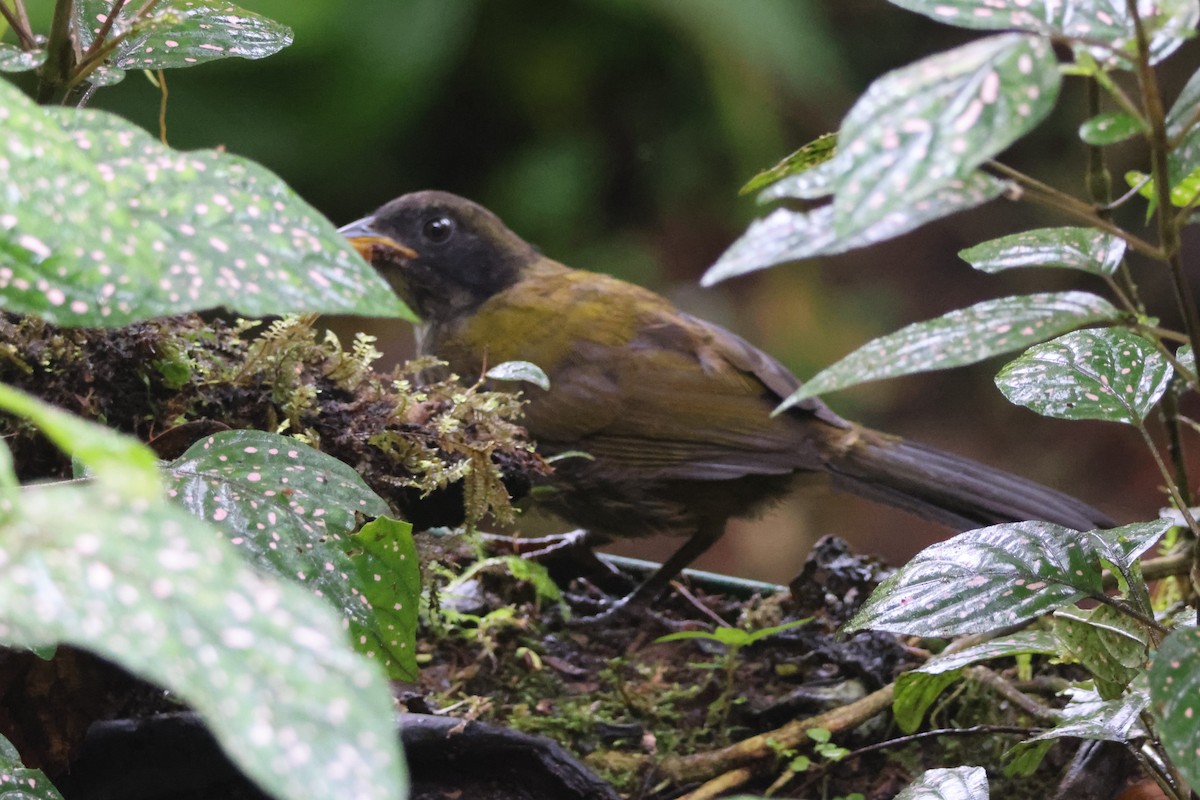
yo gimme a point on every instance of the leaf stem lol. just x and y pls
(1049, 196)
(19, 25)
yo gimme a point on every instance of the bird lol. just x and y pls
(663, 420)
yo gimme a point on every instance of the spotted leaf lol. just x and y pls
(984, 579)
(102, 225)
(1106, 374)
(18, 782)
(1182, 125)
(922, 126)
(961, 337)
(291, 510)
(1084, 249)
(1168, 22)
(151, 588)
(1088, 716)
(787, 235)
(1175, 700)
(181, 33)
(14, 59)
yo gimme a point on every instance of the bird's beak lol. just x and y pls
(372, 245)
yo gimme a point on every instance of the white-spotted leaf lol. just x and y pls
(1174, 700)
(1107, 374)
(18, 782)
(1020, 643)
(920, 127)
(102, 225)
(1168, 22)
(964, 336)
(1084, 249)
(982, 580)
(291, 510)
(1111, 646)
(787, 235)
(14, 59)
(182, 33)
(153, 589)
(958, 783)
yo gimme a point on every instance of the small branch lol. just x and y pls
(988, 678)
(13, 18)
(105, 27)
(60, 53)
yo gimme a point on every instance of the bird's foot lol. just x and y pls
(629, 610)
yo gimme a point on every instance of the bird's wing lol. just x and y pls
(638, 383)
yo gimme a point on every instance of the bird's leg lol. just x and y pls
(650, 589)
(638, 604)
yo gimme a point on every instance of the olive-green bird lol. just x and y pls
(675, 412)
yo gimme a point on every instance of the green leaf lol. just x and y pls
(520, 371)
(14, 59)
(1021, 643)
(123, 464)
(1084, 249)
(1168, 23)
(1174, 688)
(1122, 546)
(922, 126)
(1113, 647)
(290, 508)
(182, 33)
(1111, 127)
(18, 782)
(1106, 374)
(150, 587)
(959, 783)
(102, 225)
(964, 336)
(797, 165)
(916, 692)
(1087, 716)
(982, 580)
(787, 235)
(388, 570)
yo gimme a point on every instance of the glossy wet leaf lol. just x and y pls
(1182, 119)
(183, 33)
(982, 580)
(1111, 646)
(1175, 700)
(18, 782)
(520, 371)
(958, 783)
(1110, 128)
(964, 336)
(1020, 643)
(796, 165)
(1088, 716)
(102, 225)
(1124, 545)
(787, 235)
(916, 692)
(153, 589)
(1084, 249)
(1168, 22)
(1106, 374)
(123, 464)
(291, 510)
(920, 127)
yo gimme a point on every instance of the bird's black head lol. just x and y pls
(443, 254)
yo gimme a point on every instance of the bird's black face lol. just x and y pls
(447, 255)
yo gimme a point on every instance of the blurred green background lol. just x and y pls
(614, 134)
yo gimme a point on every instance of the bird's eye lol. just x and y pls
(438, 229)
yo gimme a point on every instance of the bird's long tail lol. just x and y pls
(955, 491)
